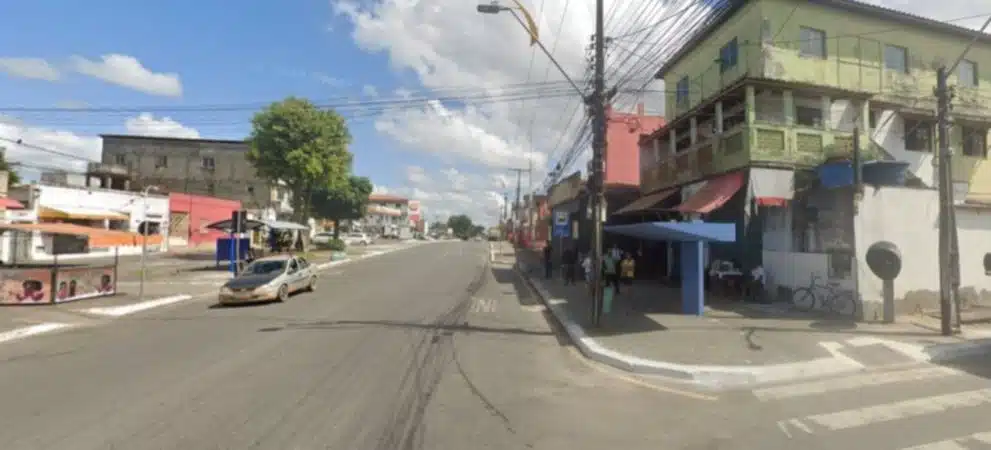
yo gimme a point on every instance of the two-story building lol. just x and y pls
(387, 215)
(773, 89)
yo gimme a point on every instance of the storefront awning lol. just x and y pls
(98, 237)
(772, 187)
(254, 224)
(713, 195)
(9, 203)
(646, 202)
(677, 231)
(79, 213)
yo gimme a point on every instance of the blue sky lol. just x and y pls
(257, 52)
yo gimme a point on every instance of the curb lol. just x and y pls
(704, 376)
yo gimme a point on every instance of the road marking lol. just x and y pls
(639, 382)
(21, 333)
(483, 305)
(854, 418)
(123, 310)
(955, 443)
(533, 308)
(852, 382)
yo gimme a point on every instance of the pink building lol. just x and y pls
(189, 215)
(623, 145)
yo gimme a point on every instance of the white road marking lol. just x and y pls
(852, 382)
(533, 308)
(785, 425)
(859, 417)
(123, 310)
(955, 443)
(21, 333)
(483, 305)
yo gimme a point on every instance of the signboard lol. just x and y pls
(561, 224)
(77, 283)
(25, 286)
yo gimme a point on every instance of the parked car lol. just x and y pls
(357, 239)
(269, 278)
(323, 237)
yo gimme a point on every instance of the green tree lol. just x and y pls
(13, 178)
(342, 204)
(460, 225)
(303, 146)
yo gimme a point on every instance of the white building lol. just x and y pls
(112, 220)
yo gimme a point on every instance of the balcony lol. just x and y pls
(767, 143)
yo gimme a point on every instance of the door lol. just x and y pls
(294, 275)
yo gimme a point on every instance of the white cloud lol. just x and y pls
(40, 147)
(127, 71)
(449, 191)
(369, 90)
(146, 124)
(32, 68)
(454, 46)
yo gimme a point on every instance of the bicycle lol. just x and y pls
(836, 300)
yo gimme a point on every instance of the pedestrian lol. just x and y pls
(568, 260)
(627, 271)
(548, 268)
(587, 268)
(609, 273)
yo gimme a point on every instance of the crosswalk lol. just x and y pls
(922, 407)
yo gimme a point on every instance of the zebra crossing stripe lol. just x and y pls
(983, 437)
(852, 382)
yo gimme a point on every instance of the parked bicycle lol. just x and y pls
(827, 296)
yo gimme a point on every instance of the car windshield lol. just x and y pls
(264, 267)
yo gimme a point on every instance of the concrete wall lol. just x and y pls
(197, 212)
(184, 170)
(909, 219)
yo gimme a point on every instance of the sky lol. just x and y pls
(442, 101)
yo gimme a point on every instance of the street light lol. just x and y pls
(144, 237)
(491, 8)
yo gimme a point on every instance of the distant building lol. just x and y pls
(387, 215)
(206, 167)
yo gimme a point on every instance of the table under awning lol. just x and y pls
(714, 194)
(79, 213)
(646, 202)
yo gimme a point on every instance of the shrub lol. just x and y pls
(336, 245)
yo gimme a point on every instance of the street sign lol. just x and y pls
(561, 225)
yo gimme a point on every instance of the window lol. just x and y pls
(208, 163)
(975, 141)
(728, 56)
(161, 161)
(681, 92)
(120, 159)
(813, 43)
(896, 58)
(918, 135)
(967, 73)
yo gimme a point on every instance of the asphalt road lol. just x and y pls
(426, 348)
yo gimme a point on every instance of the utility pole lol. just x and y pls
(598, 105)
(516, 206)
(948, 252)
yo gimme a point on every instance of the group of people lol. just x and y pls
(618, 267)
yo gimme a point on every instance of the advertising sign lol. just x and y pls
(25, 286)
(76, 283)
(561, 222)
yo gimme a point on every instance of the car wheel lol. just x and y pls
(311, 286)
(283, 294)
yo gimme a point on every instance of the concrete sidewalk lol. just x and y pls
(734, 344)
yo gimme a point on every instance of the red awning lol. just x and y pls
(9, 203)
(772, 201)
(714, 194)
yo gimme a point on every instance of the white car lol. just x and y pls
(323, 238)
(357, 239)
(271, 278)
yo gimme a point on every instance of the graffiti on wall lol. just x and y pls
(25, 286)
(76, 283)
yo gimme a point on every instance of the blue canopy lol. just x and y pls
(677, 231)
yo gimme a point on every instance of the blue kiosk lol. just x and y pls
(693, 237)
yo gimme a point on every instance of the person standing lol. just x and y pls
(548, 255)
(568, 260)
(627, 271)
(587, 267)
(609, 273)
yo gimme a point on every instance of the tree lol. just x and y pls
(305, 147)
(13, 178)
(460, 225)
(343, 204)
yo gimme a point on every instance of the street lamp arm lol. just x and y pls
(533, 37)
